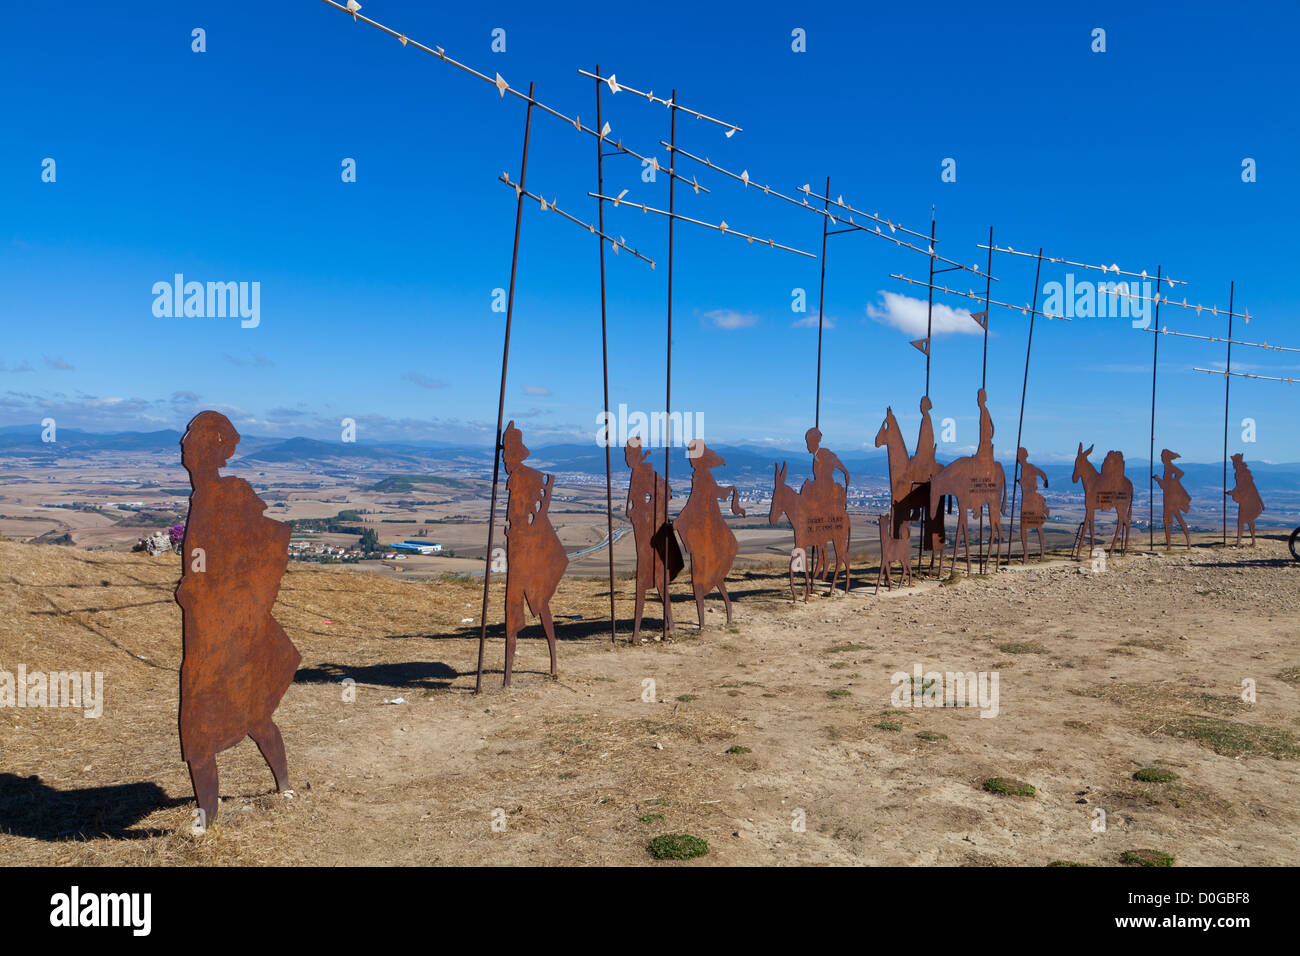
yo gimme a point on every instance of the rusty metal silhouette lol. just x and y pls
(1106, 490)
(237, 662)
(909, 479)
(705, 536)
(818, 515)
(894, 547)
(827, 510)
(1176, 499)
(535, 559)
(976, 482)
(1033, 507)
(658, 557)
(1249, 504)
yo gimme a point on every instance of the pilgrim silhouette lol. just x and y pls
(237, 661)
(1176, 498)
(658, 558)
(1249, 504)
(535, 559)
(1033, 506)
(705, 534)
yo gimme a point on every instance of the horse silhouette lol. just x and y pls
(798, 510)
(909, 491)
(1103, 491)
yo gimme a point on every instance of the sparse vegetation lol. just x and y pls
(677, 846)
(1146, 858)
(931, 735)
(1155, 775)
(739, 749)
(1009, 787)
(1022, 647)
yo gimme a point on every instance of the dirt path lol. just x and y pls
(1099, 675)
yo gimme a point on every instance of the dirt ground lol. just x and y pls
(1100, 675)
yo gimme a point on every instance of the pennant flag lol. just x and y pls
(613, 84)
(922, 346)
(982, 318)
(403, 39)
(731, 132)
(502, 85)
(353, 7)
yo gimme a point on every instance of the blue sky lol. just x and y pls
(376, 295)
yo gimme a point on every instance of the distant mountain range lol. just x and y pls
(746, 463)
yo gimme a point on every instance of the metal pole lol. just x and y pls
(929, 327)
(988, 288)
(1024, 388)
(821, 298)
(1151, 454)
(925, 513)
(501, 401)
(1227, 382)
(668, 355)
(668, 366)
(984, 375)
(604, 361)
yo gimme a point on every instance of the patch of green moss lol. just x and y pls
(1009, 787)
(1146, 858)
(677, 846)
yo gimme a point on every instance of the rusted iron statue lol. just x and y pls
(894, 547)
(237, 662)
(1249, 504)
(1033, 507)
(535, 559)
(658, 557)
(976, 482)
(1176, 499)
(827, 511)
(818, 514)
(1106, 490)
(909, 479)
(705, 536)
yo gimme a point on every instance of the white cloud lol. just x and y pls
(908, 314)
(810, 322)
(536, 390)
(424, 381)
(730, 319)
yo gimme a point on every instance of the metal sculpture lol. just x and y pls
(535, 559)
(658, 558)
(818, 514)
(977, 482)
(909, 478)
(827, 513)
(1106, 490)
(237, 661)
(894, 547)
(705, 536)
(1176, 498)
(1249, 504)
(1033, 507)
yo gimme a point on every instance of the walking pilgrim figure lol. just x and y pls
(1249, 504)
(1176, 498)
(705, 535)
(535, 559)
(237, 662)
(658, 557)
(1034, 510)
(826, 506)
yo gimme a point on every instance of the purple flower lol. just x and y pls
(176, 534)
